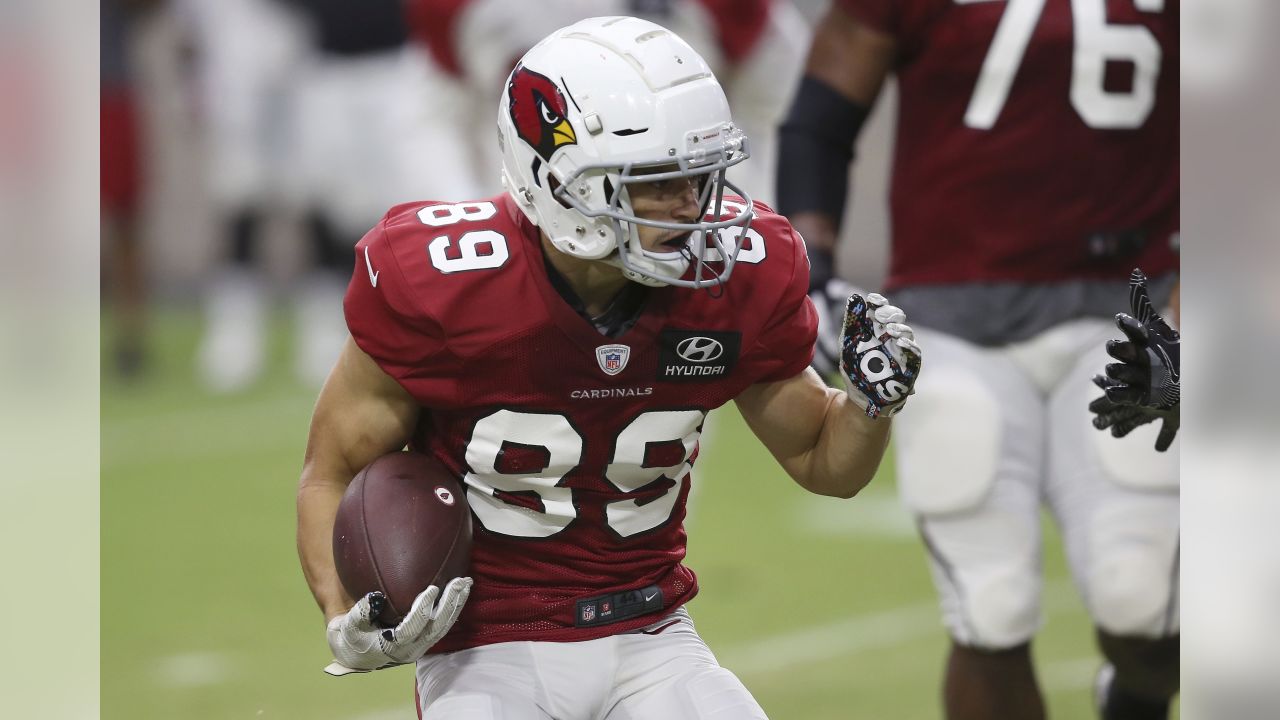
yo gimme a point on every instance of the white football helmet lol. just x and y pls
(597, 106)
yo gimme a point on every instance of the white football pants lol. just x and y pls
(993, 435)
(662, 672)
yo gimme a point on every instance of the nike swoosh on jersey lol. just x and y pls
(373, 276)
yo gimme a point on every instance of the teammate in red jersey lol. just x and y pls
(1036, 161)
(559, 347)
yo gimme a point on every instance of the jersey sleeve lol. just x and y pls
(381, 314)
(786, 343)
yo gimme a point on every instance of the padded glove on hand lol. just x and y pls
(879, 357)
(358, 645)
(1145, 385)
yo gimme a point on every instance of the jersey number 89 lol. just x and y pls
(559, 449)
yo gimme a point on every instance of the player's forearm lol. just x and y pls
(817, 228)
(849, 449)
(317, 506)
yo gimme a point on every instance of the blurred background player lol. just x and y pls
(755, 47)
(1036, 161)
(244, 55)
(121, 187)
(325, 106)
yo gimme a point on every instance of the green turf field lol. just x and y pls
(823, 607)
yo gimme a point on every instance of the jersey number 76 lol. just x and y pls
(1095, 43)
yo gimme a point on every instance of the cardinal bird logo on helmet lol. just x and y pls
(538, 111)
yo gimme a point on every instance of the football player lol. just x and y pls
(244, 55)
(320, 104)
(122, 183)
(559, 347)
(1036, 159)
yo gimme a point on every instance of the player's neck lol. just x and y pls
(595, 283)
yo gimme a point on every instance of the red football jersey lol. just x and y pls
(1037, 140)
(576, 448)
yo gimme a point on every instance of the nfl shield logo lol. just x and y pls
(588, 613)
(613, 358)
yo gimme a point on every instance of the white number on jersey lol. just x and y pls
(753, 252)
(553, 438)
(627, 472)
(563, 446)
(476, 250)
(441, 215)
(1095, 42)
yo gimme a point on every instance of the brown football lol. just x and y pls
(402, 525)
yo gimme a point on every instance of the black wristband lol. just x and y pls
(815, 147)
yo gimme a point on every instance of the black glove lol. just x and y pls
(1122, 419)
(1149, 368)
(1144, 386)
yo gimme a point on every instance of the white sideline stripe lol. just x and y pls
(859, 634)
(193, 669)
(847, 637)
(871, 514)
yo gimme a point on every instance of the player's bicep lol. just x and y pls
(362, 413)
(787, 416)
(851, 56)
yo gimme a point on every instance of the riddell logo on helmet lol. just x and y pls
(538, 111)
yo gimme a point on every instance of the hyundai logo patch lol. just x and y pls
(693, 355)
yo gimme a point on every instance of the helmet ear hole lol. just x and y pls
(608, 191)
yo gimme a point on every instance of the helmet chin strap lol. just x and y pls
(637, 277)
(675, 267)
(644, 268)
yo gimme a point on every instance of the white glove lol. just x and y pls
(879, 357)
(360, 646)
